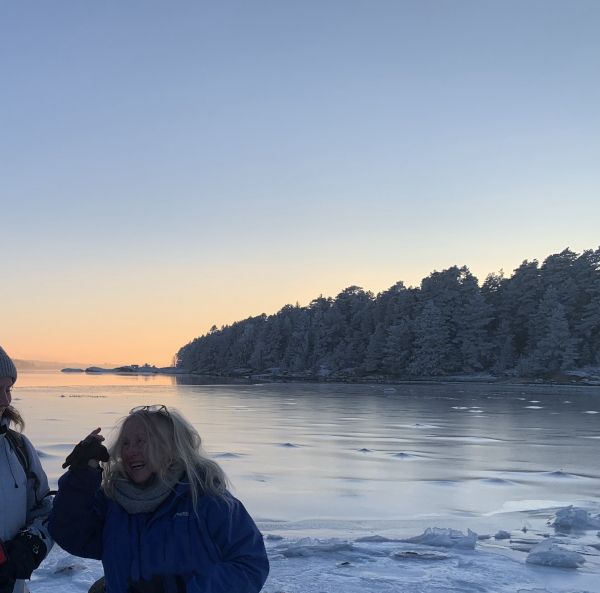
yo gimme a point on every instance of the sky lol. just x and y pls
(167, 167)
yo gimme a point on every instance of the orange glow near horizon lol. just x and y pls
(108, 318)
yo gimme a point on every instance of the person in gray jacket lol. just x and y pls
(24, 501)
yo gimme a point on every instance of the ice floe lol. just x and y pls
(445, 538)
(572, 518)
(547, 553)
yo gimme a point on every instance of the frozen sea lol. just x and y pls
(335, 475)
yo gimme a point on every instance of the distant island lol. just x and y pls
(541, 323)
(132, 369)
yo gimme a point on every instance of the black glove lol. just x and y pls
(157, 584)
(25, 553)
(89, 448)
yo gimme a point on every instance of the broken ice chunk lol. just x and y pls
(547, 553)
(445, 538)
(575, 518)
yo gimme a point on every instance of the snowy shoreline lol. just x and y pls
(577, 379)
(334, 556)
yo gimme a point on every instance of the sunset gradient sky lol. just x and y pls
(170, 166)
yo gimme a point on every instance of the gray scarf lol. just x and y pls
(144, 498)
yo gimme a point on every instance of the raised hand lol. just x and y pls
(90, 452)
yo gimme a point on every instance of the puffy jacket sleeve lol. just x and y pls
(77, 518)
(39, 504)
(244, 566)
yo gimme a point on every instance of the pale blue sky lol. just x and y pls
(198, 162)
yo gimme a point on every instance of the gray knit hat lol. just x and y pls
(7, 366)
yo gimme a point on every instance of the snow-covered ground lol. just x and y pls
(339, 477)
(354, 557)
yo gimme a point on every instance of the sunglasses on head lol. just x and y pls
(150, 409)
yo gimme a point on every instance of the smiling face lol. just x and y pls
(133, 452)
(6, 384)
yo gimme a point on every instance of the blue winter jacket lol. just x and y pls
(217, 550)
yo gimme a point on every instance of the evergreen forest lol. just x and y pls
(542, 320)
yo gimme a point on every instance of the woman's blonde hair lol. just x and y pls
(172, 445)
(15, 418)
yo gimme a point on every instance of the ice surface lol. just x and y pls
(299, 482)
(373, 563)
(421, 555)
(374, 538)
(308, 546)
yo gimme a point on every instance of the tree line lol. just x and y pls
(543, 319)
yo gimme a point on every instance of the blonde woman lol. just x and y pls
(159, 517)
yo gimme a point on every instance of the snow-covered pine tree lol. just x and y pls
(554, 349)
(431, 343)
(399, 347)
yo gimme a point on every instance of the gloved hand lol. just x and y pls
(157, 584)
(25, 553)
(89, 448)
